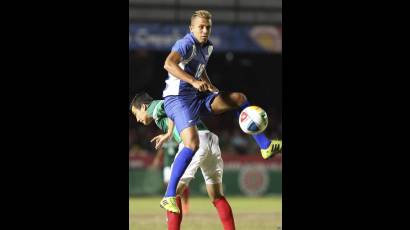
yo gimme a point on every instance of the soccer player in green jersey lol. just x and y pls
(208, 158)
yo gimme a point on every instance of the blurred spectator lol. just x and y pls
(239, 142)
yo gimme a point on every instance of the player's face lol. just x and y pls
(141, 115)
(201, 28)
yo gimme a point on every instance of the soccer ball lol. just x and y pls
(253, 120)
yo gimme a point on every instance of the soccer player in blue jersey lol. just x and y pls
(189, 93)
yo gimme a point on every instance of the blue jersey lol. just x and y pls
(194, 60)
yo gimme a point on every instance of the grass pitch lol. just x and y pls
(249, 213)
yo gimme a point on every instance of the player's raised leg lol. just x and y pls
(227, 101)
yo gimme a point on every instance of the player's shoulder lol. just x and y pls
(157, 103)
(214, 135)
(185, 41)
(160, 105)
(158, 110)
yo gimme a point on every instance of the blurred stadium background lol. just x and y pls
(247, 57)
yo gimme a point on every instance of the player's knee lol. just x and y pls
(216, 196)
(238, 98)
(193, 145)
(180, 188)
(190, 139)
(215, 191)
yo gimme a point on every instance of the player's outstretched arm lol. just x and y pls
(162, 138)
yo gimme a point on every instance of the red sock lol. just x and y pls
(174, 219)
(225, 213)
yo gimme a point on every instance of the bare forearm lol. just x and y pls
(176, 71)
(171, 126)
(171, 65)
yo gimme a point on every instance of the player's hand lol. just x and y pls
(160, 140)
(212, 88)
(200, 85)
(203, 86)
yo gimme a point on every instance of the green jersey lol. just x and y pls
(157, 111)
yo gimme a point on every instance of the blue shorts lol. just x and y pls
(185, 110)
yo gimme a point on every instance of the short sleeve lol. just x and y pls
(182, 47)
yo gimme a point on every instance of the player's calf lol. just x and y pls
(227, 101)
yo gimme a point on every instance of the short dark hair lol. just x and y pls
(140, 99)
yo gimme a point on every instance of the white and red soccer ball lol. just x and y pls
(253, 120)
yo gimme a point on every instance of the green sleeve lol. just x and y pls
(161, 120)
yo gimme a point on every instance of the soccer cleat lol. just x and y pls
(274, 148)
(169, 204)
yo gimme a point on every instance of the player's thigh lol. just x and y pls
(212, 162)
(183, 110)
(212, 171)
(227, 101)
